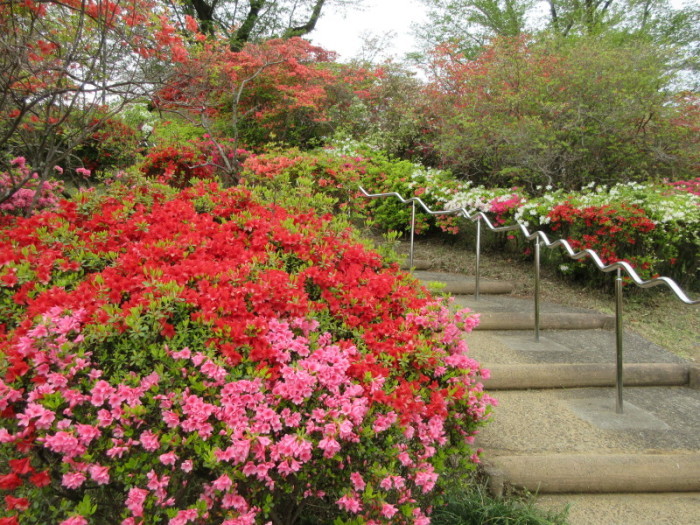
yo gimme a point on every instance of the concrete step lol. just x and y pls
(670, 508)
(458, 284)
(576, 375)
(548, 321)
(596, 473)
(469, 287)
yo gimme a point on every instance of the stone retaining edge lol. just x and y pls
(596, 473)
(548, 321)
(529, 376)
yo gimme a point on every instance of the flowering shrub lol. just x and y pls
(112, 145)
(321, 172)
(691, 186)
(655, 227)
(206, 357)
(178, 164)
(437, 188)
(25, 200)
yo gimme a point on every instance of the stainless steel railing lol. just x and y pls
(539, 237)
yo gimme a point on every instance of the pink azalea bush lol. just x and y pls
(204, 357)
(24, 200)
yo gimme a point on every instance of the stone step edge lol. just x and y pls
(548, 321)
(469, 287)
(595, 473)
(579, 375)
(418, 264)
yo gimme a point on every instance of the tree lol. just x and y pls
(470, 24)
(67, 67)
(523, 113)
(276, 90)
(243, 21)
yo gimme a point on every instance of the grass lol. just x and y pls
(467, 503)
(475, 506)
(655, 314)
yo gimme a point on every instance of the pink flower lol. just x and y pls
(72, 480)
(329, 446)
(135, 499)
(99, 474)
(357, 482)
(64, 443)
(101, 392)
(350, 504)
(149, 441)
(182, 354)
(75, 520)
(234, 501)
(426, 478)
(383, 422)
(87, 433)
(388, 510)
(169, 458)
(222, 483)
(183, 517)
(187, 465)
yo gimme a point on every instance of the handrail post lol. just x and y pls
(413, 231)
(537, 289)
(478, 258)
(618, 337)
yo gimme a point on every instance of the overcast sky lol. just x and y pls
(341, 32)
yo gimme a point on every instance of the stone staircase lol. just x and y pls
(556, 432)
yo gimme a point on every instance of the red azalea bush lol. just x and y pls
(177, 165)
(610, 230)
(207, 357)
(311, 174)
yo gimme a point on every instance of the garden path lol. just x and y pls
(556, 431)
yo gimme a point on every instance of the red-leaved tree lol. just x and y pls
(68, 66)
(280, 90)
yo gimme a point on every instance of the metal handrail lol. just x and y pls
(541, 237)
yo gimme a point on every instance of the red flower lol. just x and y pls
(40, 479)
(21, 466)
(9, 521)
(10, 481)
(13, 503)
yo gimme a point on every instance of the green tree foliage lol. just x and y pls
(527, 114)
(470, 24)
(384, 108)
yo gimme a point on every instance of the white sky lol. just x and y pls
(341, 31)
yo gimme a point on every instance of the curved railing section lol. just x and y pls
(542, 236)
(539, 237)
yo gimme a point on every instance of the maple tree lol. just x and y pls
(282, 90)
(67, 67)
